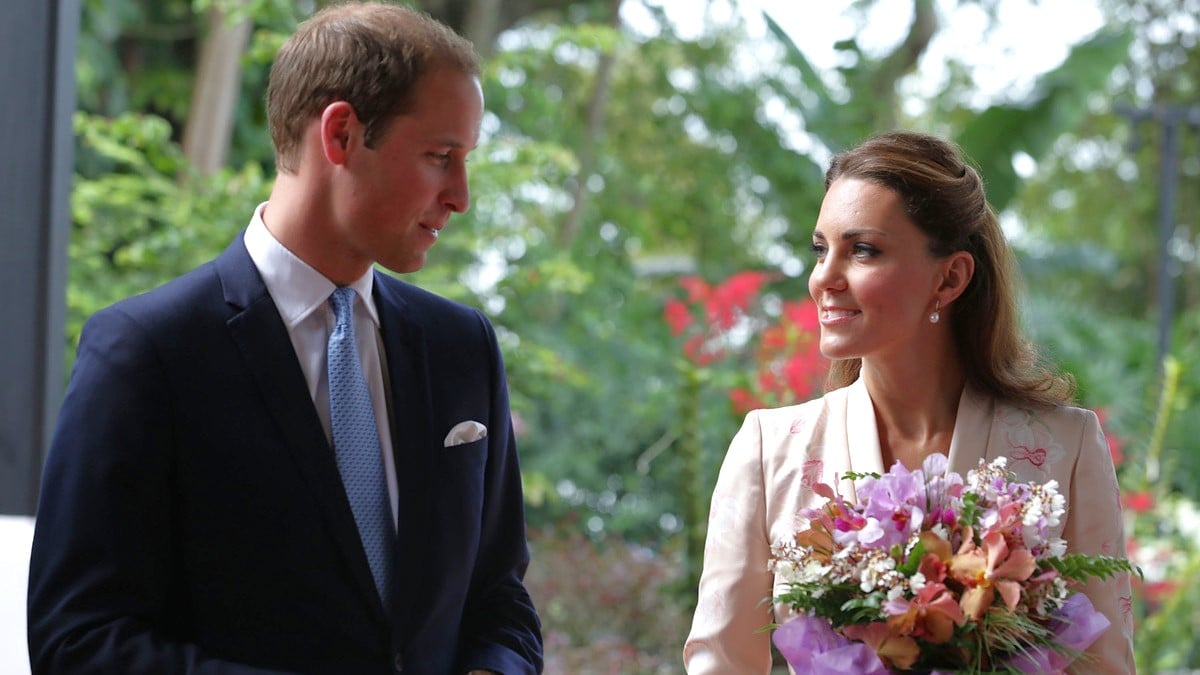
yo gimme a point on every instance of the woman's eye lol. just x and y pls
(818, 250)
(865, 250)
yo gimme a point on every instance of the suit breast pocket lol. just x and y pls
(461, 480)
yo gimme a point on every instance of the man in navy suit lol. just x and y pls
(193, 518)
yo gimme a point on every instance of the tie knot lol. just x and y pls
(342, 300)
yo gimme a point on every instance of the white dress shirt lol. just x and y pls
(301, 295)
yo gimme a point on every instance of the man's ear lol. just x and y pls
(339, 131)
(958, 269)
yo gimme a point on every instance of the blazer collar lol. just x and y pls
(968, 444)
(972, 430)
(414, 443)
(261, 337)
(862, 434)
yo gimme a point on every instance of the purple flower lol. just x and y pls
(1076, 626)
(935, 465)
(896, 501)
(855, 657)
(943, 489)
(1079, 624)
(801, 638)
(1035, 660)
(810, 645)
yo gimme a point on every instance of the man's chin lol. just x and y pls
(407, 266)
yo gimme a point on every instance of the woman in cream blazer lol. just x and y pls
(913, 287)
(780, 454)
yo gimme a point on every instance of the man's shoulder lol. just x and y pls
(182, 303)
(424, 304)
(187, 288)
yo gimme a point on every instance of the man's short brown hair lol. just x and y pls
(371, 55)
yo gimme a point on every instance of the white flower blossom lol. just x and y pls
(1057, 547)
(875, 572)
(785, 569)
(1033, 511)
(916, 582)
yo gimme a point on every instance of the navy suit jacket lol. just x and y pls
(192, 518)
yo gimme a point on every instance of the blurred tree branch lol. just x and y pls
(597, 105)
(902, 61)
(482, 21)
(209, 127)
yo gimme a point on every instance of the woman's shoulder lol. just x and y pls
(800, 417)
(1064, 416)
(787, 411)
(833, 398)
(1046, 441)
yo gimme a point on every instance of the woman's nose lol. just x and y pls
(827, 274)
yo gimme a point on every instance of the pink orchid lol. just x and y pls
(836, 516)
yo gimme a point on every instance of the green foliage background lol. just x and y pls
(613, 162)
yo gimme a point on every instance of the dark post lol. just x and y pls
(37, 47)
(1170, 118)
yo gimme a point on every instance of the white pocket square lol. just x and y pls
(465, 432)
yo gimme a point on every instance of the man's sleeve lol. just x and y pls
(99, 573)
(501, 631)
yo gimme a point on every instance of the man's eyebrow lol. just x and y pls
(453, 143)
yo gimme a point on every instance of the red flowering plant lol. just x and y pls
(724, 311)
(729, 318)
(791, 368)
(748, 356)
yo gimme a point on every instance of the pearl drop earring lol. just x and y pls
(937, 312)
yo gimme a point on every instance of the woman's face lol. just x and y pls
(874, 279)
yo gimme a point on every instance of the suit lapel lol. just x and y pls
(862, 433)
(849, 442)
(413, 438)
(968, 444)
(972, 431)
(266, 348)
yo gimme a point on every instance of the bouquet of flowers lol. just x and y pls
(927, 571)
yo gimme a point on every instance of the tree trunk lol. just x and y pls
(902, 61)
(209, 129)
(482, 21)
(597, 108)
(481, 25)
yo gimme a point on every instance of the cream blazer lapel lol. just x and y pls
(972, 441)
(862, 435)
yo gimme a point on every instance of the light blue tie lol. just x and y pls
(356, 444)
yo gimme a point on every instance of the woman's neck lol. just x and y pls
(916, 405)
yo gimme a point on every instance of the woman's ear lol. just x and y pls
(339, 131)
(959, 268)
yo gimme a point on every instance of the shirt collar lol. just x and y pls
(297, 289)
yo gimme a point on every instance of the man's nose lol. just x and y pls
(457, 195)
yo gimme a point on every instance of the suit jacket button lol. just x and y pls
(398, 663)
